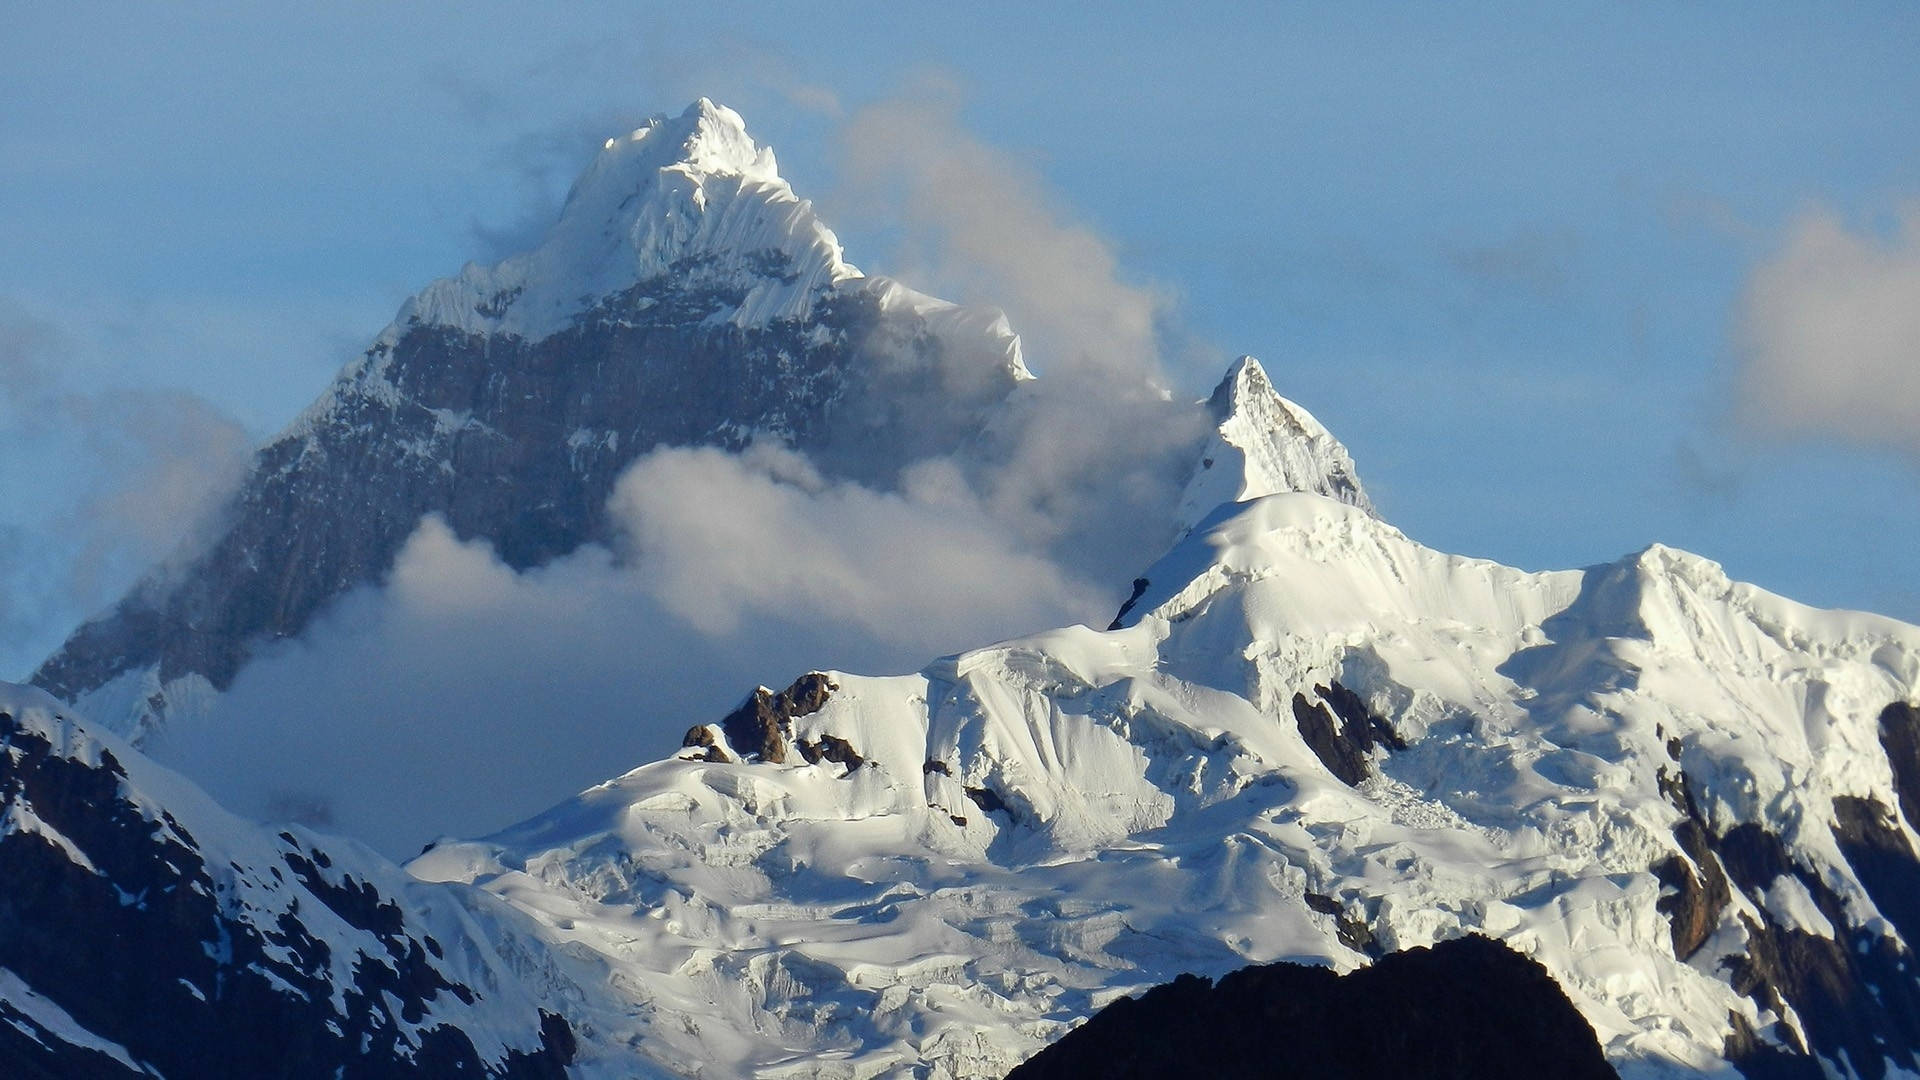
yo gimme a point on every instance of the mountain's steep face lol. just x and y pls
(1312, 739)
(144, 931)
(685, 296)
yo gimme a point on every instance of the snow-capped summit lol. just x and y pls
(1306, 737)
(684, 296)
(693, 196)
(1263, 445)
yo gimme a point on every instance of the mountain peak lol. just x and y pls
(1245, 379)
(692, 196)
(1265, 444)
(707, 139)
(683, 296)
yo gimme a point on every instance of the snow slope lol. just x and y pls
(950, 868)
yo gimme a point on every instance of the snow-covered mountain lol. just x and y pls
(144, 931)
(685, 296)
(1304, 737)
(1312, 739)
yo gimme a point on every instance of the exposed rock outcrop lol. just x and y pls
(760, 728)
(1838, 991)
(1343, 746)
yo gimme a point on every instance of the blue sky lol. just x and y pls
(1513, 257)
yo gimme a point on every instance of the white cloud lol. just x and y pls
(1828, 334)
(980, 227)
(721, 538)
(464, 696)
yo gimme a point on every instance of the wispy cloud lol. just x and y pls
(149, 470)
(979, 225)
(1827, 333)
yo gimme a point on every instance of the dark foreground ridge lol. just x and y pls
(1471, 1007)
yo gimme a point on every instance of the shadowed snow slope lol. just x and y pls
(1678, 793)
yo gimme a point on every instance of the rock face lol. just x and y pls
(1464, 1009)
(760, 728)
(684, 297)
(141, 928)
(1343, 746)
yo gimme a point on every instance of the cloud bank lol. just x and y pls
(464, 696)
(1828, 334)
